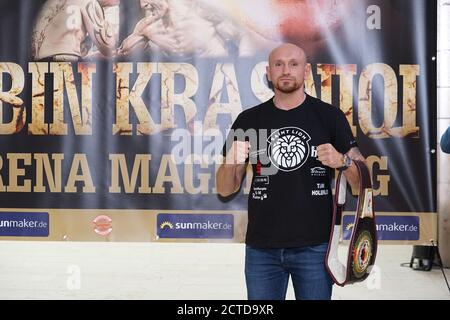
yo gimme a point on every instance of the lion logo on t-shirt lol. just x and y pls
(288, 148)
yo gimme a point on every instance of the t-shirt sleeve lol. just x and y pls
(343, 136)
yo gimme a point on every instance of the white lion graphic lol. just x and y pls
(288, 151)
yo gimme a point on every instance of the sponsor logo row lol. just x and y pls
(188, 226)
(195, 226)
(405, 228)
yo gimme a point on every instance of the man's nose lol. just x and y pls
(286, 69)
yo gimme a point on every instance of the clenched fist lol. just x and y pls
(238, 152)
(329, 156)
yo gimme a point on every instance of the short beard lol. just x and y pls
(288, 89)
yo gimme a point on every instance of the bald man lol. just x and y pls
(294, 143)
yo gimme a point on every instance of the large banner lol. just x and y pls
(113, 113)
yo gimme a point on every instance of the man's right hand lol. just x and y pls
(238, 152)
(229, 175)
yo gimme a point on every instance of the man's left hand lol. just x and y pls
(329, 156)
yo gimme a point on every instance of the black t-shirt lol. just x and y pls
(290, 201)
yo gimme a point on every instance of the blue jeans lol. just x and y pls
(267, 273)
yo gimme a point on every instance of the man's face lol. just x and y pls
(287, 68)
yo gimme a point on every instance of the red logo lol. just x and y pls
(258, 168)
(102, 225)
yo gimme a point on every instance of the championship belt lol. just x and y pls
(362, 249)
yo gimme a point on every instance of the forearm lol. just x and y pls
(352, 173)
(131, 43)
(227, 179)
(142, 33)
(352, 176)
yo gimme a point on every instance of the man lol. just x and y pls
(63, 27)
(182, 28)
(290, 201)
(189, 28)
(147, 29)
(445, 141)
(186, 28)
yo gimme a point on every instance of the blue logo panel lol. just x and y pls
(388, 227)
(24, 224)
(201, 226)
